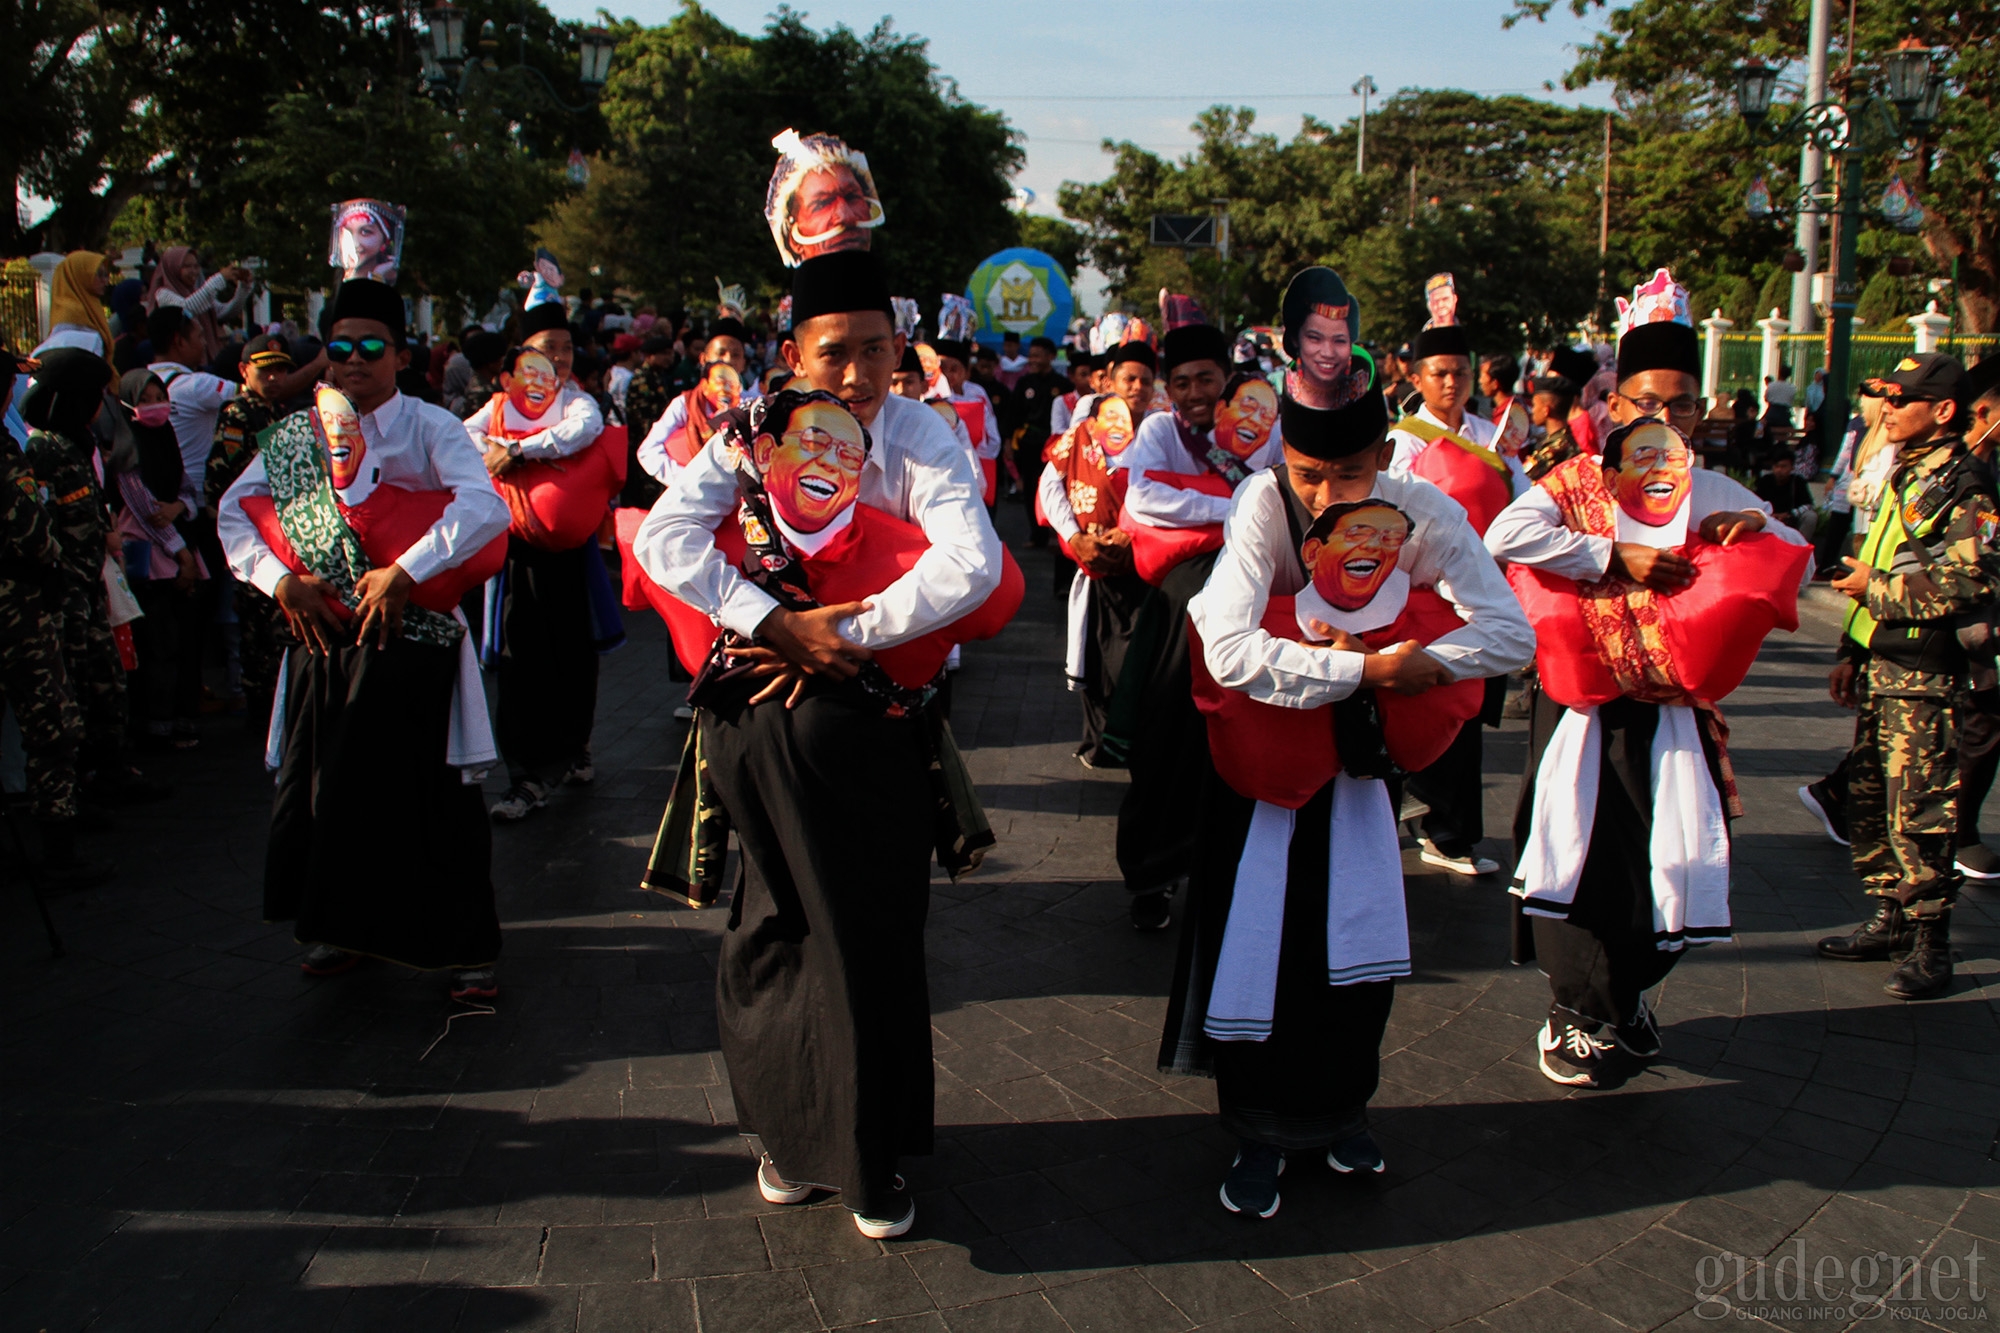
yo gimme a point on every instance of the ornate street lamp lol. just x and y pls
(447, 33)
(1755, 84)
(595, 47)
(1907, 71)
(1925, 113)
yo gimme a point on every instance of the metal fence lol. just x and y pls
(19, 324)
(1871, 354)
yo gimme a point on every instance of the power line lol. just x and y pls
(1212, 97)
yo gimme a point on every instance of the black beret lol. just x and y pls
(728, 327)
(911, 364)
(1575, 365)
(839, 283)
(1329, 433)
(1983, 378)
(1661, 345)
(365, 298)
(1439, 340)
(1194, 342)
(1132, 351)
(544, 317)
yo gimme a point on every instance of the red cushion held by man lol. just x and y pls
(1155, 551)
(1085, 457)
(557, 504)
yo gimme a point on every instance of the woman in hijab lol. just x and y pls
(76, 305)
(178, 281)
(155, 503)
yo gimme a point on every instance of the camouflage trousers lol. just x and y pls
(96, 676)
(35, 686)
(1902, 799)
(262, 641)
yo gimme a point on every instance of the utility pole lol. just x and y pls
(1363, 88)
(1413, 195)
(1604, 219)
(1812, 169)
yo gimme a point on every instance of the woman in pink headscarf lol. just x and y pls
(178, 281)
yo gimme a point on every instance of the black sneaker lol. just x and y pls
(1819, 800)
(1152, 911)
(1978, 861)
(1570, 1055)
(1357, 1156)
(1252, 1184)
(1640, 1034)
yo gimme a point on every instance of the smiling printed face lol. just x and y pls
(1243, 419)
(345, 447)
(1352, 550)
(1111, 425)
(1654, 474)
(831, 211)
(722, 386)
(813, 471)
(361, 243)
(532, 385)
(1325, 347)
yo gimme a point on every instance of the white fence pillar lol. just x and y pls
(1712, 330)
(45, 265)
(1774, 327)
(1929, 327)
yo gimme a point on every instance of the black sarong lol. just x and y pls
(821, 995)
(1168, 754)
(1308, 1084)
(1603, 957)
(1113, 608)
(377, 845)
(547, 679)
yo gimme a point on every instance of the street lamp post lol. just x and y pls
(446, 24)
(1847, 130)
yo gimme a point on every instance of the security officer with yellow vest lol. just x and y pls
(1928, 566)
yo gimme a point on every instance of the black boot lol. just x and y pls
(63, 869)
(1927, 971)
(1880, 937)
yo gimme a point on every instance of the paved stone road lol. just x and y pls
(192, 1136)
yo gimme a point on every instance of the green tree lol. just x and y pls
(691, 110)
(1673, 64)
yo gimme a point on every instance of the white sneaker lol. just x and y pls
(521, 800)
(1458, 865)
(775, 1188)
(682, 713)
(1572, 1056)
(877, 1229)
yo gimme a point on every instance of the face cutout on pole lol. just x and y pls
(366, 240)
(532, 385)
(1246, 414)
(812, 469)
(1350, 554)
(339, 428)
(821, 199)
(1652, 482)
(1111, 425)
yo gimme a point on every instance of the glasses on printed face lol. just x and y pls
(1684, 406)
(1649, 456)
(1362, 534)
(344, 349)
(816, 441)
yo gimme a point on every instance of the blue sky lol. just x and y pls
(1069, 75)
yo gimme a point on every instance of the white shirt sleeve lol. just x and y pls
(1238, 651)
(249, 558)
(478, 424)
(653, 456)
(675, 545)
(1408, 449)
(1156, 503)
(990, 447)
(580, 424)
(476, 514)
(1059, 416)
(1055, 502)
(1530, 531)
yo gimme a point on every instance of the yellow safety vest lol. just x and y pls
(1886, 536)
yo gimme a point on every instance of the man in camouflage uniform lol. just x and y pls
(260, 624)
(32, 679)
(66, 397)
(1927, 561)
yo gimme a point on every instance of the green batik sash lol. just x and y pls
(302, 494)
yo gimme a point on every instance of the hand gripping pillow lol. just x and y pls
(1119, 481)
(388, 523)
(559, 504)
(1714, 627)
(1283, 755)
(1155, 551)
(873, 552)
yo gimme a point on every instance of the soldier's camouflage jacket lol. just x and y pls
(75, 502)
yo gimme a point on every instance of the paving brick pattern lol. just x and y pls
(192, 1136)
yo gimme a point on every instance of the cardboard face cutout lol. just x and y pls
(927, 357)
(340, 428)
(812, 471)
(1652, 484)
(822, 198)
(1325, 347)
(1441, 299)
(1352, 549)
(533, 385)
(1111, 425)
(1245, 416)
(366, 240)
(721, 386)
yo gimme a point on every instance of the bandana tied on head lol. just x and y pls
(366, 240)
(544, 309)
(1656, 330)
(845, 210)
(70, 299)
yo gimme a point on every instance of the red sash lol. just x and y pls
(1468, 479)
(1284, 755)
(694, 430)
(973, 414)
(559, 505)
(388, 523)
(873, 552)
(1155, 551)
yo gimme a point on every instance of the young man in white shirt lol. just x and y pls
(822, 1002)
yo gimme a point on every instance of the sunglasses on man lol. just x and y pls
(345, 349)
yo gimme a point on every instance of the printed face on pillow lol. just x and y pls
(533, 384)
(345, 447)
(722, 386)
(1352, 550)
(1654, 474)
(1111, 425)
(1243, 420)
(812, 472)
